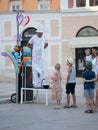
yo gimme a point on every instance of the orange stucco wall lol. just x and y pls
(4, 5)
(33, 5)
(30, 5)
(54, 4)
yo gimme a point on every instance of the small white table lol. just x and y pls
(33, 89)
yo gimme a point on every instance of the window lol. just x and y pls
(80, 3)
(44, 5)
(15, 5)
(93, 2)
(87, 31)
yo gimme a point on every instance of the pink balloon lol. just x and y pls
(25, 20)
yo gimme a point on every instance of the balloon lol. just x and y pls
(15, 54)
(19, 18)
(22, 19)
(13, 57)
(26, 20)
(3, 53)
(7, 55)
(10, 54)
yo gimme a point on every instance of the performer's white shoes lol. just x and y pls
(35, 86)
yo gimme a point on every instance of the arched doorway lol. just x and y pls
(27, 34)
(27, 52)
(86, 31)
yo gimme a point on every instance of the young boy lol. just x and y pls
(89, 78)
(70, 83)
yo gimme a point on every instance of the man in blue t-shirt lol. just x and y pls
(89, 78)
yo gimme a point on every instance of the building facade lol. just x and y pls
(29, 5)
(72, 26)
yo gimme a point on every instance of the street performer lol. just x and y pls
(38, 43)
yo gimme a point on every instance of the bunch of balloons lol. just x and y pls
(13, 56)
(23, 20)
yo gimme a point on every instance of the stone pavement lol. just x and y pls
(36, 116)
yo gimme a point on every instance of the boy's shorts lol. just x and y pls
(70, 88)
(89, 93)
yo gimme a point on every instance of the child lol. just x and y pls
(88, 57)
(70, 84)
(56, 86)
(89, 78)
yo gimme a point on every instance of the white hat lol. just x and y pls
(70, 61)
(39, 30)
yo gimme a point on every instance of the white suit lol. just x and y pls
(38, 57)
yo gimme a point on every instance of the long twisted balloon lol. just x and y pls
(13, 56)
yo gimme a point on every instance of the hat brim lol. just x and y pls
(39, 31)
(69, 62)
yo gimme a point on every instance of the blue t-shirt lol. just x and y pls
(88, 75)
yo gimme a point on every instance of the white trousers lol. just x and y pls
(38, 70)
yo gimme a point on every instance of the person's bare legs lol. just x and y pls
(96, 99)
(87, 104)
(74, 100)
(58, 103)
(90, 104)
(68, 100)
